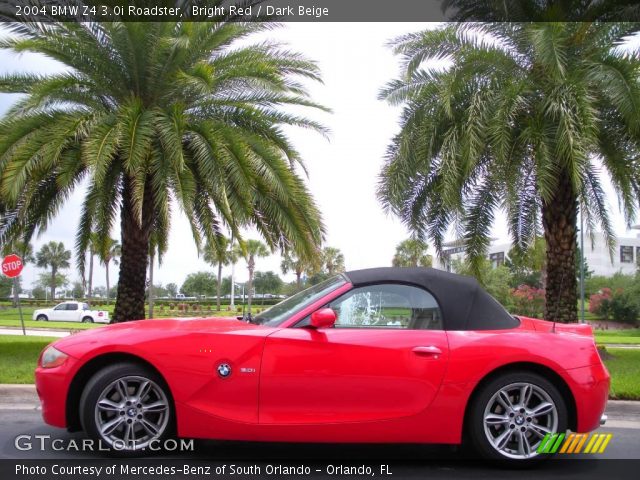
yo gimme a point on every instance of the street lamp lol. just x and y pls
(240, 285)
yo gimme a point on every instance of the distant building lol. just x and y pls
(626, 255)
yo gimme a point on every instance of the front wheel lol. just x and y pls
(126, 407)
(512, 414)
(42, 318)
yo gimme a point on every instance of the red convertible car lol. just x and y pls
(383, 355)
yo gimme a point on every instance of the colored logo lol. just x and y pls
(224, 370)
(574, 443)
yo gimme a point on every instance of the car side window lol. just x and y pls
(72, 306)
(386, 306)
(62, 306)
(85, 306)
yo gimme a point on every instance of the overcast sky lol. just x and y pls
(343, 169)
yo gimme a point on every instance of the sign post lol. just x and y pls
(12, 268)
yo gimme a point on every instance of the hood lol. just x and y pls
(135, 331)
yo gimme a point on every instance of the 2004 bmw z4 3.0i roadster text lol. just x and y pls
(407, 355)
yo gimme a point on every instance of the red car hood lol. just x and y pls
(538, 325)
(141, 330)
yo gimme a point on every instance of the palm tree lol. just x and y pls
(157, 247)
(298, 265)
(219, 254)
(332, 260)
(53, 255)
(109, 253)
(522, 121)
(253, 249)
(150, 116)
(541, 11)
(412, 253)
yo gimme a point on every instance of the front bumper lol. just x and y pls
(52, 385)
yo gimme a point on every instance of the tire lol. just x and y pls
(106, 387)
(42, 318)
(491, 439)
(87, 320)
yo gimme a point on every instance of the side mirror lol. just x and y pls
(323, 318)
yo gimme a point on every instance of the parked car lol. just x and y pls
(406, 355)
(71, 312)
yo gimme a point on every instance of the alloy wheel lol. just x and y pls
(130, 412)
(517, 418)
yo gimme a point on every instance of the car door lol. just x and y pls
(59, 312)
(384, 359)
(72, 314)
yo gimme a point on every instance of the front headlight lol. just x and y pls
(52, 357)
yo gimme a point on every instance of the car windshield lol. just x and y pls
(277, 314)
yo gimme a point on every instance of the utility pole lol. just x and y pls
(232, 303)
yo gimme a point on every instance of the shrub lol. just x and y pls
(528, 301)
(623, 308)
(600, 303)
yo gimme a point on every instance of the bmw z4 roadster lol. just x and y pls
(381, 355)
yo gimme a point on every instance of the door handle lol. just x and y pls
(430, 351)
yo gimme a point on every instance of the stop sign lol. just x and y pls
(12, 265)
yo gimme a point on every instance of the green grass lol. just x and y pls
(18, 357)
(627, 337)
(624, 366)
(10, 317)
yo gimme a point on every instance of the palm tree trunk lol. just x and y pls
(219, 284)
(250, 294)
(134, 258)
(52, 287)
(559, 218)
(106, 269)
(90, 290)
(298, 279)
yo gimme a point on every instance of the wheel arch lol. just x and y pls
(82, 376)
(538, 368)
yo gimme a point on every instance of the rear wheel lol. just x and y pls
(126, 407)
(42, 318)
(87, 320)
(512, 414)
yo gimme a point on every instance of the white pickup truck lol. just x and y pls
(71, 312)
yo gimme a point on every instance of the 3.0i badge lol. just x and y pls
(224, 370)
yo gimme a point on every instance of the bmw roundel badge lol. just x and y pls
(224, 370)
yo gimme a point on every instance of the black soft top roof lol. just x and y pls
(463, 302)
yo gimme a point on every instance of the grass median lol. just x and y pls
(621, 337)
(10, 317)
(18, 357)
(624, 367)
